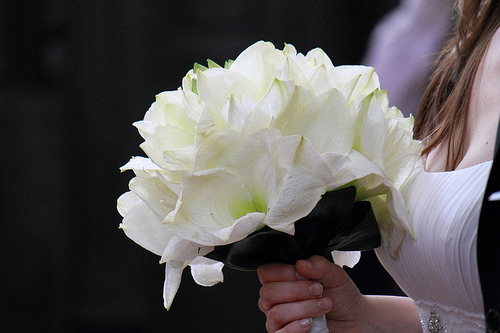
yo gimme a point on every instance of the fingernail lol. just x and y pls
(305, 322)
(316, 289)
(299, 277)
(309, 264)
(324, 303)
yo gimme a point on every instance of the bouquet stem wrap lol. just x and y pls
(320, 325)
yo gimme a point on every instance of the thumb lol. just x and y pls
(347, 301)
(320, 269)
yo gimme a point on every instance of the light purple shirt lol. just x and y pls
(404, 45)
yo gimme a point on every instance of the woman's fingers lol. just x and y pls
(288, 315)
(310, 288)
(298, 326)
(273, 293)
(276, 272)
(289, 300)
(347, 300)
(320, 269)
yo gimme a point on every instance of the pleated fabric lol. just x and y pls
(438, 270)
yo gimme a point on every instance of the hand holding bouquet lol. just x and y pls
(245, 152)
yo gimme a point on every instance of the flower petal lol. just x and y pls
(296, 151)
(180, 158)
(367, 82)
(140, 163)
(319, 57)
(392, 235)
(360, 169)
(256, 167)
(236, 111)
(126, 202)
(346, 258)
(270, 105)
(321, 80)
(179, 249)
(217, 149)
(173, 275)
(370, 129)
(175, 109)
(299, 193)
(162, 138)
(300, 97)
(327, 122)
(206, 272)
(241, 228)
(216, 145)
(216, 85)
(142, 226)
(261, 62)
(159, 197)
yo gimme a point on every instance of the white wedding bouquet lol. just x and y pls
(252, 148)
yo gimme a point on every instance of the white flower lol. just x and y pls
(257, 143)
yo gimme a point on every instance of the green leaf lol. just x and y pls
(212, 64)
(194, 86)
(198, 67)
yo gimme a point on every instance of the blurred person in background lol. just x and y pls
(404, 45)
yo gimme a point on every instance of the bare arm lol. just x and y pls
(393, 314)
(292, 295)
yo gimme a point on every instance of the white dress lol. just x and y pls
(439, 269)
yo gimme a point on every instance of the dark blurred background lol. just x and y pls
(74, 75)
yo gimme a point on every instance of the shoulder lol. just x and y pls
(491, 58)
(485, 97)
(495, 41)
(494, 58)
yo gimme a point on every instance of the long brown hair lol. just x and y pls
(441, 119)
